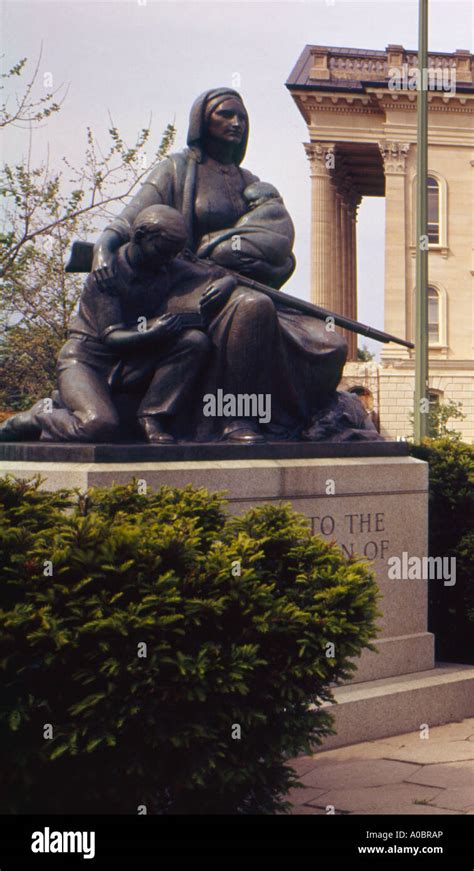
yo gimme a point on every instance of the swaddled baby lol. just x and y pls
(264, 233)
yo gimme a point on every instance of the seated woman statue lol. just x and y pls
(257, 346)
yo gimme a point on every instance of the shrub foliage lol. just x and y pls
(451, 513)
(234, 615)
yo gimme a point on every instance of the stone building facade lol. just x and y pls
(360, 109)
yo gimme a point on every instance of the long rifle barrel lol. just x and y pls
(316, 311)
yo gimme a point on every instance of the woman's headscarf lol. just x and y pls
(200, 111)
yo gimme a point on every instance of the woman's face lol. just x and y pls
(228, 122)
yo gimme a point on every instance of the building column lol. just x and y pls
(353, 205)
(341, 305)
(323, 223)
(332, 304)
(338, 304)
(348, 303)
(348, 288)
(394, 156)
(347, 260)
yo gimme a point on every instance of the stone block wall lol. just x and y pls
(393, 389)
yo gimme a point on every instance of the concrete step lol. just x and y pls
(391, 706)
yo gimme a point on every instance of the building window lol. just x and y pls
(436, 214)
(433, 316)
(437, 316)
(433, 211)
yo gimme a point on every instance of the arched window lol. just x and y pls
(433, 316)
(437, 316)
(433, 210)
(437, 214)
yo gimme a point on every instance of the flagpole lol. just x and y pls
(421, 300)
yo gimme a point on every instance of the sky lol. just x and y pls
(133, 58)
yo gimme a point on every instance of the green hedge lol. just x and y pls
(465, 568)
(451, 514)
(236, 615)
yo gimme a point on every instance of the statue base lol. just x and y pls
(138, 452)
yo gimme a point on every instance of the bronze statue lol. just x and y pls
(250, 344)
(258, 347)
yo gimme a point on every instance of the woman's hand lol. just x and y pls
(215, 296)
(105, 248)
(105, 280)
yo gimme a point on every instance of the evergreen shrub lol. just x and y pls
(234, 614)
(451, 521)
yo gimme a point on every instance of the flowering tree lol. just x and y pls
(44, 210)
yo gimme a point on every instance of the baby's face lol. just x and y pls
(259, 200)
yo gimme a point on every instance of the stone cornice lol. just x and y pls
(440, 136)
(436, 102)
(376, 101)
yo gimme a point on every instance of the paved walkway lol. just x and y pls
(402, 775)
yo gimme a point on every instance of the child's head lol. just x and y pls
(160, 234)
(259, 192)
